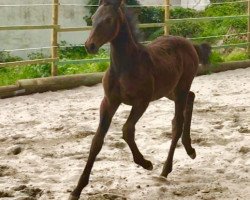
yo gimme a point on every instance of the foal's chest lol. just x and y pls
(134, 89)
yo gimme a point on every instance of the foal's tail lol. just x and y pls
(204, 51)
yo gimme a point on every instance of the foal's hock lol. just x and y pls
(138, 75)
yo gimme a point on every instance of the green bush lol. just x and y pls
(226, 9)
(236, 55)
(226, 26)
(180, 13)
(216, 58)
(6, 57)
(84, 68)
(37, 70)
(69, 51)
(11, 75)
(185, 29)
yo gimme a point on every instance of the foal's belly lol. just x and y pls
(132, 94)
(164, 86)
(164, 89)
(135, 90)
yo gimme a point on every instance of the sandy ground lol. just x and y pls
(50, 134)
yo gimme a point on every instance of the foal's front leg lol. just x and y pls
(107, 111)
(129, 135)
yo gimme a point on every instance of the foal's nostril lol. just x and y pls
(92, 47)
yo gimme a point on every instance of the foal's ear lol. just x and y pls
(118, 3)
(115, 3)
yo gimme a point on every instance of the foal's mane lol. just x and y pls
(132, 20)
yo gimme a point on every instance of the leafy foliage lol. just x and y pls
(83, 68)
(71, 52)
(185, 28)
(11, 75)
(6, 57)
(216, 58)
(236, 54)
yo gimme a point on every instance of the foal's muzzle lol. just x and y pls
(91, 47)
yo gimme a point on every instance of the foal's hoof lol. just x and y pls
(71, 197)
(164, 174)
(148, 165)
(167, 169)
(193, 155)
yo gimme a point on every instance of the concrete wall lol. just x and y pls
(70, 16)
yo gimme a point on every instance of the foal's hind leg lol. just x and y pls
(107, 111)
(186, 140)
(129, 135)
(180, 103)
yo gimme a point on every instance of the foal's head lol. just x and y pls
(106, 24)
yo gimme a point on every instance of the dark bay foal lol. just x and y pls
(138, 75)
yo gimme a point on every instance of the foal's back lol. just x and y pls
(175, 63)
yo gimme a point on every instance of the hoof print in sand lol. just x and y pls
(84, 134)
(107, 196)
(243, 130)
(6, 171)
(244, 150)
(14, 150)
(186, 191)
(4, 194)
(32, 193)
(117, 145)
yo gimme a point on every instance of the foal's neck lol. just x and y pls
(123, 49)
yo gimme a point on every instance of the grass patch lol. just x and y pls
(9, 75)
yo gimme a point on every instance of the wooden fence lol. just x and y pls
(56, 29)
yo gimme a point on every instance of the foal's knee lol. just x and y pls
(128, 132)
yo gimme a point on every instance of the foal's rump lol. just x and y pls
(175, 62)
(178, 52)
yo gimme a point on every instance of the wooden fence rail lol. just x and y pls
(28, 62)
(34, 27)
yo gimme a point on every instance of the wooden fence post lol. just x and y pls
(54, 37)
(167, 15)
(248, 29)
